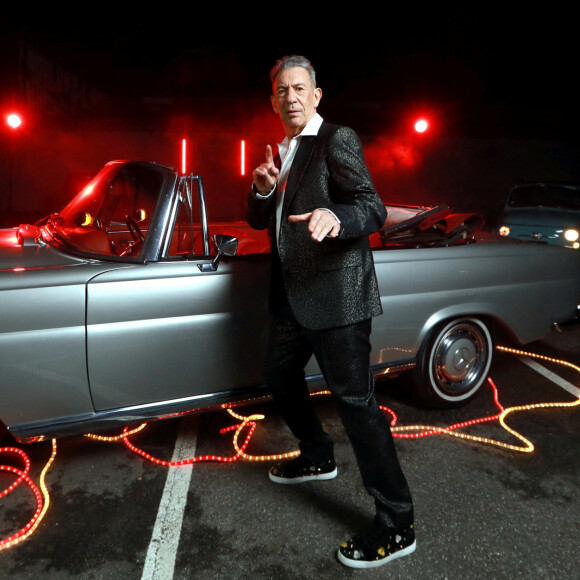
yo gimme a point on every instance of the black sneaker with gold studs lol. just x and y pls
(301, 469)
(376, 545)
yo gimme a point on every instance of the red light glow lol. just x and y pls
(14, 120)
(88, 190)
(421, 125)
(392, 154)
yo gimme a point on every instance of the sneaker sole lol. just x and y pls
(376, 563)
(304, 478)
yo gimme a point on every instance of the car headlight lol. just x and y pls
(504, 231)
(571, 235)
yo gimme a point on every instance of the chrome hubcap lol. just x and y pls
(459, 358)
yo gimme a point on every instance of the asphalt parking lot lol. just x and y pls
(485, 507)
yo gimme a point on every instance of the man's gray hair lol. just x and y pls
(291, 62)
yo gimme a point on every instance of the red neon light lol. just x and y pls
(230, 459)
(243, 158)
(184, 156)
(41, 495)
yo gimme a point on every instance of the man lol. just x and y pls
(320, 206)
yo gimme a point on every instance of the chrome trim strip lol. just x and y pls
(125, 416)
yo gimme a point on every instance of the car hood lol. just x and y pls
(542, 216)
(19, 251)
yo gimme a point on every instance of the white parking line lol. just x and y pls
(162, 551)
(564, 384)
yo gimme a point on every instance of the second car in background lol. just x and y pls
(543, 212)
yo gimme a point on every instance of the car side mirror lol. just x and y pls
(224, 246)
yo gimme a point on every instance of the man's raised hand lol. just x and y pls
(266, 174)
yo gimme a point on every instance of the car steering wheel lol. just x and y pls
(136, 234)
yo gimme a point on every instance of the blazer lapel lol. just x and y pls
(301, 160)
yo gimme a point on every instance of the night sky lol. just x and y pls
(511, 75)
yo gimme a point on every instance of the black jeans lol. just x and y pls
(343, 355)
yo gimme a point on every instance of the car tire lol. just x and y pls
(452, 363)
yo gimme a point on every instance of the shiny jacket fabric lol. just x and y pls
(330, 283)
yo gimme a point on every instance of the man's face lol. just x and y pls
(295, 99)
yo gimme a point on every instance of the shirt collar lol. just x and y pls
(311, 129)
(312, 126)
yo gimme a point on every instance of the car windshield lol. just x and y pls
(112, 213)
(545, 196)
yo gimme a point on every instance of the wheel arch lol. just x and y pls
(489, 315)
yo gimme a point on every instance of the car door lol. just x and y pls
(167, 330)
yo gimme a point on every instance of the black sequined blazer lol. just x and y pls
(330, 283)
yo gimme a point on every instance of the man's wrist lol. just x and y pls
(265, 194)
(330, 212)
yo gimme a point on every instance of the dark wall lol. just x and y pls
(475, 175)
(40, 174)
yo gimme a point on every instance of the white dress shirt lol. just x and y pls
(287, 151)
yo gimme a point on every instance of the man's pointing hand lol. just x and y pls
(321, 223)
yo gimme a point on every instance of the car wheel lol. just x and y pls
(453, 363)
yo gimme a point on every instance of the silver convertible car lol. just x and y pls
(130, 305)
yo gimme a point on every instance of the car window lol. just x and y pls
(545, 196)
(112, 214)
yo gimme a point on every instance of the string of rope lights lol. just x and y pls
(248, 424)
(42, 496)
